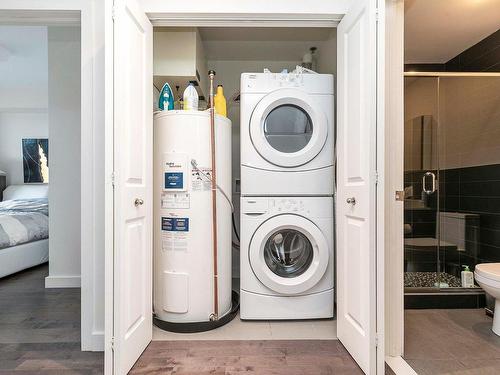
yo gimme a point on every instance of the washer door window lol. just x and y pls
(289, 254)
(287, 128)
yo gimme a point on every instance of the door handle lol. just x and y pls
(433, 180)
(138, 202)
(351, 200)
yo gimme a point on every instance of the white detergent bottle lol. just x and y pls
(190, 98)
(467, 278)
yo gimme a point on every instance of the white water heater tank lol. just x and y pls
(183, 247)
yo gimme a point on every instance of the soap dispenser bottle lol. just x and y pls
(467, 278)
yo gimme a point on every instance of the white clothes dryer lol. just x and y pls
(287, 134)
(287, 267)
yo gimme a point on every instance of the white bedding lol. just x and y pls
(23, 220)
(23, 201)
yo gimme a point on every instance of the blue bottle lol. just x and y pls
(166, 101)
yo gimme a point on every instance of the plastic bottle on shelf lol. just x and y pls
(190, 98)
(220, 102)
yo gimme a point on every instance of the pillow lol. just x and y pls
(26, 191)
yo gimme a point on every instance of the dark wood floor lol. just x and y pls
(453, 341)
(40, 334)
(40, 328)
(273, 357)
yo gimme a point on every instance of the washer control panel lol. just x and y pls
(273, 206)
(287, 205)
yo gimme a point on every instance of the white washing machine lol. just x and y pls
(287, 134)
(287, 269)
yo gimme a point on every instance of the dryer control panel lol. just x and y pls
(267, 82)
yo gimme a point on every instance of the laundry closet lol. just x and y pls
(287, 258)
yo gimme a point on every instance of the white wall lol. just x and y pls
(23, 68)
(327, 55)
(13, 128)
(64, 145)
(23, 94)
(95, 288)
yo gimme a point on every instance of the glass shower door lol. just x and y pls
(421, 181)
(469, 155)
(451, 178)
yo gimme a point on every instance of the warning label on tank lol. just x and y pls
(175, 200)
(175, 224)
(174, 233)
(201, 178)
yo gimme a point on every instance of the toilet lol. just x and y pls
(487, 276)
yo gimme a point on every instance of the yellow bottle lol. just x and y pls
(220, 102)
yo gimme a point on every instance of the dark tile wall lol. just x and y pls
(481, 57)
(474, 190)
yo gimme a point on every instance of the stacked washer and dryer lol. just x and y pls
(287, 204)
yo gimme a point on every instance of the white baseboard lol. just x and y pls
(62, 282)
(399, 366)
(95, 342)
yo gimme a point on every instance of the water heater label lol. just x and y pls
(175, 224)
(201, 178)
(174, 180)
(175, 200)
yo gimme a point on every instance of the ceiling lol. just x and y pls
(438, 30)
(23, 57)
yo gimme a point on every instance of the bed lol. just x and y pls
(24, 228)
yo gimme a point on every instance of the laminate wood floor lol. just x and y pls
(232, 357)
(454, 341)
(40, 334)
(40, 328)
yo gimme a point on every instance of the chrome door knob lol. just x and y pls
(351, 200)
(138, 202)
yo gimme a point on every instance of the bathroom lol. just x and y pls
(451, 200)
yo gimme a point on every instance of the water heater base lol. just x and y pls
(200, 326)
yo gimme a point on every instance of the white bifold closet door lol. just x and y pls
(133, 197)
(356, 182)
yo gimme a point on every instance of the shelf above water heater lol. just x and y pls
(179, 58)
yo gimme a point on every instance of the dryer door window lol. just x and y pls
(289, 254)
(288, 128)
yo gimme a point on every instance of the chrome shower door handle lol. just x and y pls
(433, 180)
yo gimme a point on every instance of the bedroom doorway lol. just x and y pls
(40, 203)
